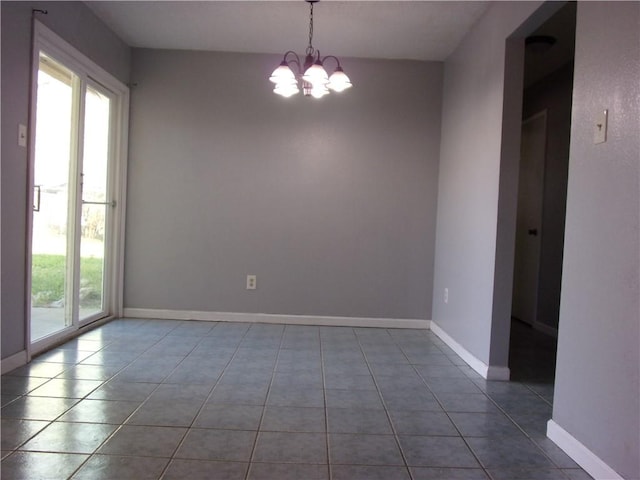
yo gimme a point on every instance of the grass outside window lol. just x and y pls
(48, 278)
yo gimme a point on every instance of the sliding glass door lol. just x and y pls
(97, 203)
(53, 204)
(76, 158)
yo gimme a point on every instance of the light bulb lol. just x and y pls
(283, 74)
(319, 91)
(316, 74)
(286, 90)
(338, 81)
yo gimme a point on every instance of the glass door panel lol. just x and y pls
(52, 239)
(96, 203)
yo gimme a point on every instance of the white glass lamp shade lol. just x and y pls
(319, 91)
(338, 81)
(316, 75)
(286, 89)
(283, 74)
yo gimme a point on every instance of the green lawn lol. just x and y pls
(47, 281)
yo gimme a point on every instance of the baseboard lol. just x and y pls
(498, 373)
(541, 327)
(580, 454)
(14, 361)
(277, 319)
(486, 371)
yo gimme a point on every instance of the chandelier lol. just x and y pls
(311, 74)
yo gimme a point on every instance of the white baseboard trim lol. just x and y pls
(14, 361)
(541, 327)
(589, 461)
(498, 373)
(486, 371)
(276, 319)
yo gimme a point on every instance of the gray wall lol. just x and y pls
(330, 203)
(474, 238)
(597, 381)
(77, 25)
(553, 94)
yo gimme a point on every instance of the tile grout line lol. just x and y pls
(79, 400)
(188, 428)
(395, 434)
(326, 408)
(123, 422)
(435, 395)
(504, 412)
(264, 407)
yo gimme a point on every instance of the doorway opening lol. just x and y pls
(542, 192)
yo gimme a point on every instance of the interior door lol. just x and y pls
(529, 218)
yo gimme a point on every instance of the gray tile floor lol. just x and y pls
(154, 399)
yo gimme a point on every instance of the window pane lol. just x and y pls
(95, 207)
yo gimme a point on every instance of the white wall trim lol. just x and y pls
(490, 372)
(541, 327)
(277, 319)
(584, 457)
(14, 361)
(498, 373)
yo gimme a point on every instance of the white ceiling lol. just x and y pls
(418, 30)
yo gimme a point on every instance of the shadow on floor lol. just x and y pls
(532, 354)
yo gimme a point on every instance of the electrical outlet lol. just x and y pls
(446, 295)
(251, 282)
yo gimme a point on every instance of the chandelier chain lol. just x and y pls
(310, 49)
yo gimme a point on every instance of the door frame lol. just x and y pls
(45, 39)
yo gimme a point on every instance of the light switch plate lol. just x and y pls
(600, 128)
(22, 135)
